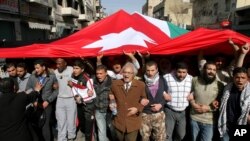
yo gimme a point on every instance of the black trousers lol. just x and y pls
(86, 119)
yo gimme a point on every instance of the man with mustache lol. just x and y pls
(224, 73)
(127, 93)
(235, 104)
(179, 87)
(206, 90)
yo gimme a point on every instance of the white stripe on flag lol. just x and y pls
(160, 24)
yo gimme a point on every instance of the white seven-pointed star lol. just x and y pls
(125, 37)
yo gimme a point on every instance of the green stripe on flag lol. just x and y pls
(176, 31)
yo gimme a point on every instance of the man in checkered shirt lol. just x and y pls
(179, 87)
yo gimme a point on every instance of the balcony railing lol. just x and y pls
(68, 11)
(84, 17)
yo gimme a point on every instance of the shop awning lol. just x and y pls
(35, 25)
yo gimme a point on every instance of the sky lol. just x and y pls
(130, 6)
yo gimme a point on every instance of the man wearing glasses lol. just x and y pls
(127, 93)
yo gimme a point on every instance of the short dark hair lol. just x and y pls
(181, 65)
(101, 67)
(239, 70)
(151, 63)
(21, 65)
(79, 64)
(208, 63)
(117, 62)
(7, 85)
(41, 63)
(10, 65)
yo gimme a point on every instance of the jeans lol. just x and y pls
(205, 131)
(101, 125)
(175, 121)
(225, 137)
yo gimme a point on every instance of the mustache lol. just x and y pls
(239, 83)
(213, 74)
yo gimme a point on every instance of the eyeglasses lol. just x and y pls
(127, 73)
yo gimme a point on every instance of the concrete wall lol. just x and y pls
(242, 3)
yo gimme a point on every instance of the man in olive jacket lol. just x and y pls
(127, 93)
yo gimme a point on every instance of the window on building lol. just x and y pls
(69, 3)
(98, 9)
(82, 9)
(228, 5)
(50, 11)
(76, 5)
(215, 9)
(59, 2)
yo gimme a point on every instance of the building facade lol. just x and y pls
(217, 14)
(148, 7)
(242, 17)
(178, 12)
(39, 20)
(211, 13)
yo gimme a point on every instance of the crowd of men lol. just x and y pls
(157, 100)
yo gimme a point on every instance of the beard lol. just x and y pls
(207, 79)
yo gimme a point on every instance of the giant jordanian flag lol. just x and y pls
(113, 35)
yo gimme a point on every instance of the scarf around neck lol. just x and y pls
(151, 81)
(244, 103)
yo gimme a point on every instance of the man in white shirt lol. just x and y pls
(179, 87)
(65, 105)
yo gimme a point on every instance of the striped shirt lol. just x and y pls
(179, 90)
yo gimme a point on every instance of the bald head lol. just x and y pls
(61, 64)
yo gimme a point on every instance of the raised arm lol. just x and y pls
(234, 46)
(201, 61)
(99, 59)
(133, 59)
(144, 59)
(242, 54)
(89, 64)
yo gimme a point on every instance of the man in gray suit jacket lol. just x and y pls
(48, 93)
